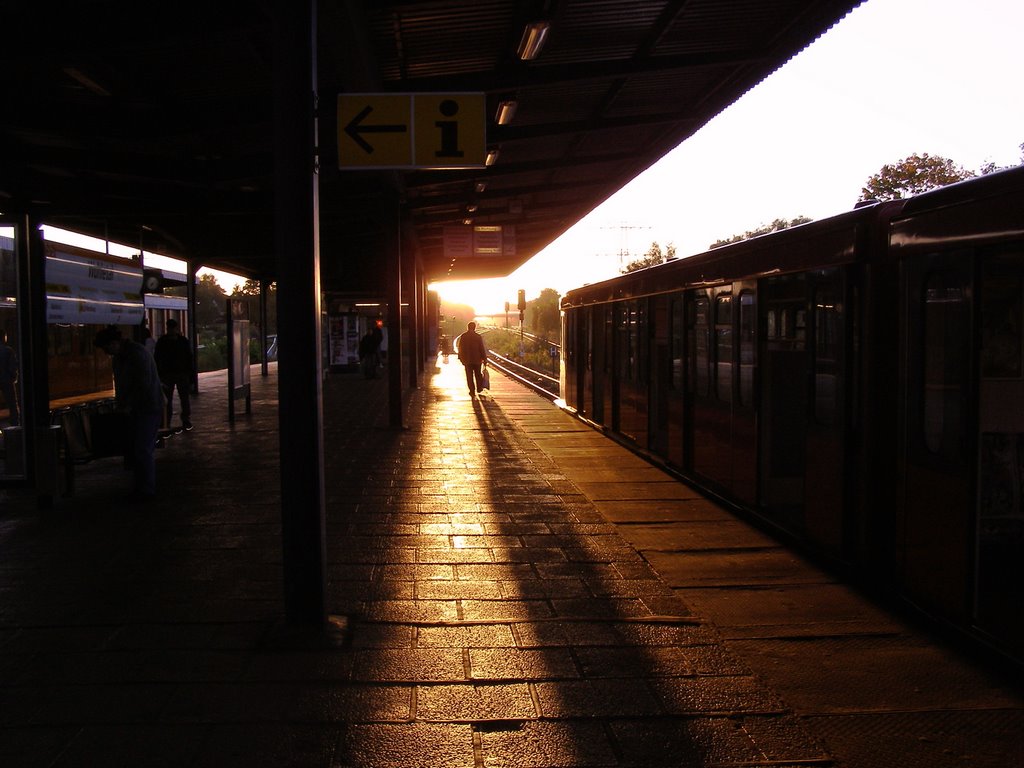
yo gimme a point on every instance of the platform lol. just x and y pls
(515, 588)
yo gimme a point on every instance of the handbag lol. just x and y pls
(487, 379)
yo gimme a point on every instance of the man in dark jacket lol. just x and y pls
(174, 361)
(472, 355)
(137, 392)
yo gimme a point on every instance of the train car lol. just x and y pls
(856, 383)
(85, 291)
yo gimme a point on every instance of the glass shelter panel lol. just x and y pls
(12, 447)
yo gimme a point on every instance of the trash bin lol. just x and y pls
(47, 459)
(47, 456)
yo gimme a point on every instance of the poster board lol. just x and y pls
(239, 387)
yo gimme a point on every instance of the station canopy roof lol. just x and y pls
(152, 123)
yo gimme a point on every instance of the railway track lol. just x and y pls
(539, 382)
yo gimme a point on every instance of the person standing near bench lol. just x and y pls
(138, 393)
(174, 362)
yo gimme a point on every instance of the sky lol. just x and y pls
(894, 78)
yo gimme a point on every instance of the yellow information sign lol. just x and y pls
(411, 130)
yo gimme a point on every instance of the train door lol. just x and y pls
(603, 325)
(621, 358)
(999, 555)
(585, 362)
(660, 375)
(710, 405)
(629, 400)
(937, 454)
(785, 367)
(744, 407)
(571, 376)
(643, 366)
(676, 377)
(824, 483)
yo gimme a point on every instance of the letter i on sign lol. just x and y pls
(449, 130)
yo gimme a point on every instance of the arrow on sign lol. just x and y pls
(355, 129)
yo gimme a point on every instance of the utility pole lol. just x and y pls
(522, 314)
(624, 228)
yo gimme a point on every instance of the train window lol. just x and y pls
(945, 322)
(700, 344)
(676, 341)
(1001, 327)
(723, 347)
(747, 347)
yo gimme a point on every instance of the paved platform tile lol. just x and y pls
(547, 745)
(472, 703)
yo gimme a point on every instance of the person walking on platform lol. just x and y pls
(369, 354)
(138, 393)
(473, 356)
(174, 362)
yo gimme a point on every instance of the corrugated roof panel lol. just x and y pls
(662, 93)
(706, 26)
(604, 30)
(559, 102)
(439, 39)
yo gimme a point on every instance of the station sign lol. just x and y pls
(92, 289)
(411, 130)
(466, 241)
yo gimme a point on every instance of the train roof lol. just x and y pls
(832, 240)
(837, 239)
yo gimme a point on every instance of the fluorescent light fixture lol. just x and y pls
(492, 157)
(533, 40)
(83, 79)
(506, 111)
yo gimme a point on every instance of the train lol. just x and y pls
(85, 291)
(854, 384)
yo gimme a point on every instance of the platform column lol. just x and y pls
(35, 391)
(393, 256)
(297, 246)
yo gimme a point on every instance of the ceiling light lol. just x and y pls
(471, 208)
(83, 79)
(480, 186)
(506, 111)
(492, 157)
(467, 222)
(533, 40)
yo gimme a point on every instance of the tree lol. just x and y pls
(911, 176)
(653, 256)
(776, 226)
(543, 314)
(991, 167)
(209, 302)
(250, 292)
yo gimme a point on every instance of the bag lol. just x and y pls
(487, 379)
